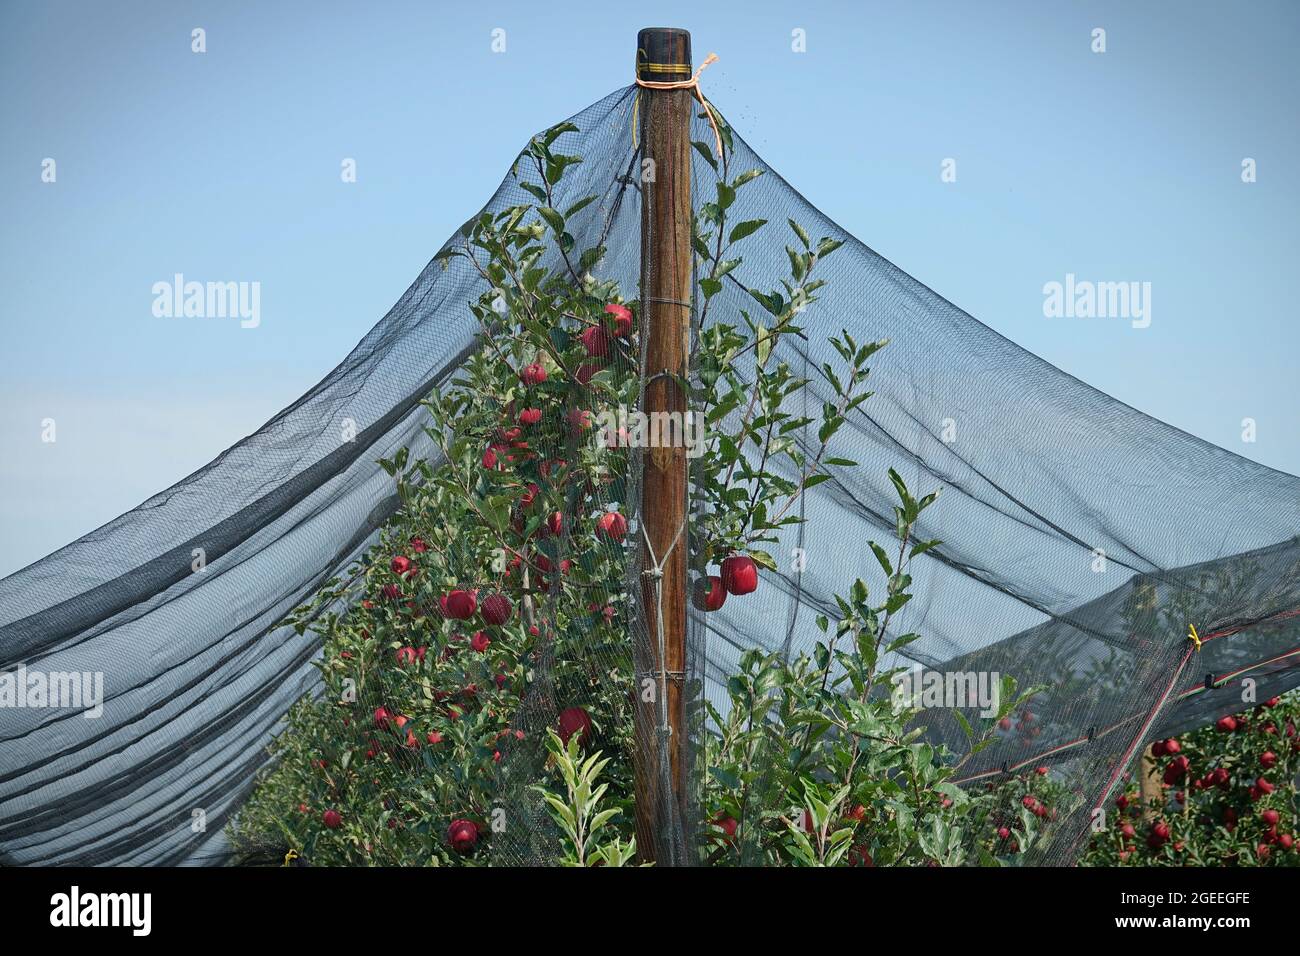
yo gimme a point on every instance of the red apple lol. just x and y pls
(1270, 817)
(461, 604)
(530, 416)
(333, 819)
(574, 720)
(622, 319)
(480, 641)
(595, 340)
(529, 496)
(727, 825)
(406, 655)
(400, 564)
(1268, 759)
(709, 593)
(1159, 835)
(462, 835)
(1226, 724)
(611, 526)
(1176, 769)
(381, 717)
(860, 856)
(739, 574)
(496, 609)
(533, 374)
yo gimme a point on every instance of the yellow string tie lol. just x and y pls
(692, 84)
(1194, 637)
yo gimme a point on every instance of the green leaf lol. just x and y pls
(903, 494)
(796, 262)
(763, 345)
(896, 601)
(725, 777)
(923, 547)
(726, 196)
(706, 151)
(726, 266)
(552, 134)
(536, 190)
(827, 246)
(580, 204)
(883, 557)
(902, 642)
(799, 231)
(771, 303)
(553, 218)
(746, 228)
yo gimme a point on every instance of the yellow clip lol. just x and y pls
(1194, 637)
(290, 857)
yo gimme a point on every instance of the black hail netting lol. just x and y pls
(1080, 540)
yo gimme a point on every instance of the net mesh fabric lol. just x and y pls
(1042, 475)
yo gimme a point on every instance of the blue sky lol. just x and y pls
(225, 165)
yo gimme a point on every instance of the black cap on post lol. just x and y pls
(663, 54)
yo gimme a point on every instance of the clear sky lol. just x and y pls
(225, 165)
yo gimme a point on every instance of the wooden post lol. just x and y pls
(664, 55)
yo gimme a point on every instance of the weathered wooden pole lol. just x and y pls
(664, 56)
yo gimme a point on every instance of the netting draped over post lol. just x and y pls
(1081, 538)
